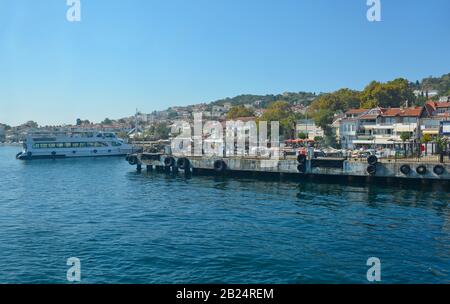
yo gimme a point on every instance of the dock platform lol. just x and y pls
(301, 166)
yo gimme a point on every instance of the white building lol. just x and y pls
(308, 127)
(218, 111)
(349, 126)
(227, 106)
(381, 127)
(436, 113)
(427, 93)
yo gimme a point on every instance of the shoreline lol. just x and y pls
(10, 144)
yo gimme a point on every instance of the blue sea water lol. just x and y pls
(127, 227)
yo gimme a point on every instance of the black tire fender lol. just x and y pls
(405, 169)
(422, 170)
(220, 166)
(372, 160)
(132, 160)
(301, 168)
(183, 163)
(372, 169)
(169, 162)
(301, 158)
(438, 170)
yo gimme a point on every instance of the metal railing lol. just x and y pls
(412, 152)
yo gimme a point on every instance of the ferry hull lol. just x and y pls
(26, 156)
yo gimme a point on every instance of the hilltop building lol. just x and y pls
(426, 93)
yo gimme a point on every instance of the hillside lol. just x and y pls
(304, 98)
(441, 84)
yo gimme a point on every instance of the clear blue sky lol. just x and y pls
(152, 54)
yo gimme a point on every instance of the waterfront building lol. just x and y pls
(348, 127)
(437, 112)
(308, 127)
(381, 127)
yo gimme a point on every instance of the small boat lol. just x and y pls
(48, 145)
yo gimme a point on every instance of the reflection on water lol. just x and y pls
(153, 228)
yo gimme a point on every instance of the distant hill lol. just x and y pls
(304, 98)
(442, 84)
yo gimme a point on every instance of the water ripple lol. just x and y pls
(151, 228)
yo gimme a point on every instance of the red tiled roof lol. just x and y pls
(413, 112)
(443, 105)
(356, 111)
(429, 106)
(391, 112)
(410, 112)
(436, 105)
(369, 116)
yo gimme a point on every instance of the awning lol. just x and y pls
(431, 132)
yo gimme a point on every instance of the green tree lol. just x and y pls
(442, 84)
(280, 111)
(341, 100)
(390, 94)
(107, 121)
(172, 114)
(122, 135)
(161, 131)
(405, 136)
(31, 124)
(302, 135)
(426, 138)
(441, 143)
(239, 111)
(323, 109)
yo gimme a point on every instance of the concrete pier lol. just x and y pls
(305, 168)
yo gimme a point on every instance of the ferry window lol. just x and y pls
(68, 145)
(83, 145)
(75, 145)
(43, 146)
(90, 144)
(36, 146)
(51, 146)
(116, 144)
(101, 144)
(60, 145)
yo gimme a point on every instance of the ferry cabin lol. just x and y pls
(39, 146)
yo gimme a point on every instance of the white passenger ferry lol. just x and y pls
(73, 144)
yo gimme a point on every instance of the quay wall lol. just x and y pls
(323, 167)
